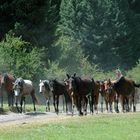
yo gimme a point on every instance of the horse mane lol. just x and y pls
(119, 82)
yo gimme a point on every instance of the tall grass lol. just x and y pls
(96, 127)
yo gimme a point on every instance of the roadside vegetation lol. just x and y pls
(102, 126)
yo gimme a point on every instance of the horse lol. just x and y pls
(74, 98)
(81, 87)
(7, 81)
(109, 94)
(58, 88)
(125, 88)
(23, 88)
(96, 91)
(45, 89)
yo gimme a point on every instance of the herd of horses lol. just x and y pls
(77, 91)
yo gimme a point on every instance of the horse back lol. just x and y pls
(84, 86)
(125, 86)
(27, 88)
(59, 87)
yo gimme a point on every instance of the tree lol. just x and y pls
(17, 59)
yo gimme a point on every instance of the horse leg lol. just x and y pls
(96, 103)
(24, 103)
(16, 103)
(110, 105)
(106, 103)
(66, 106)
(79, 106)
(57, 102)
(63, 102)
(47, 105)
(1, 99)
(134, 103)
(122, 102)
(9, 100)
(21, 103)
(101, 103)
(116, 102)
(54, 102)
(127, 108)
(91, 100)
(72, 105)
(12, 99)
(33, 99)
(85, 105)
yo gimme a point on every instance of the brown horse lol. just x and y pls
(126, 90)
(74, 98)
(109, 94)
(81, 87)
(23, 88)
(58, 88)
(96, 91)
(7, 81)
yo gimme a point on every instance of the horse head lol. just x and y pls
(4, 78)
(108, 86)
(44, 86)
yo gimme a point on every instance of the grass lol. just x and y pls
(97, 127)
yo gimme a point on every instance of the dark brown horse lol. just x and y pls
(7, 81)
(23, 88)
(126, 90)
(81, 87)
(74, 98)
(58, 88)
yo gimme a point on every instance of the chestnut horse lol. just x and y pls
(126, 90)
(96, 91)
(81, 87)
(23, 88)
(110, 95)
(7, 81)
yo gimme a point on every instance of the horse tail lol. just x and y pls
(136, 85)
(34, 97)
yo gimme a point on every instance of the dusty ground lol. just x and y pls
(10, 118)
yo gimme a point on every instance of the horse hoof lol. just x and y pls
(81, 114)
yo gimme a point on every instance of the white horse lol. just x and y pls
(23, 88)
(46, 90)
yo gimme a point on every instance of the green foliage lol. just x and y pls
(16, 59)
(134, 73)
(103, 29)
(88, 37)
(54, 71)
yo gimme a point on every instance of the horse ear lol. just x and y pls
(68, 76)
(74, 74)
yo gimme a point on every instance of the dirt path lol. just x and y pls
(29, 117)
(16, 117)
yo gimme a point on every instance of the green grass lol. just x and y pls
(97, 127)
(28, 108)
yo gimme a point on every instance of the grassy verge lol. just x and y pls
(96, 127)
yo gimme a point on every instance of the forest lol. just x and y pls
(44, 39)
